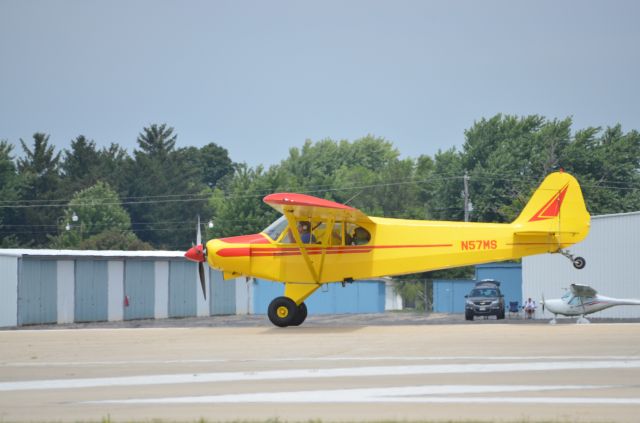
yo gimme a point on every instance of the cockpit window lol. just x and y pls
(274, 230)
(342, 233)
(576, 301)
(357, 235)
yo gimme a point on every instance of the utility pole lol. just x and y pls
(465, 179)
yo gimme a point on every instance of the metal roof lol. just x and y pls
(20, 252)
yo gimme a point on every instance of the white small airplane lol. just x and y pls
(581, 300)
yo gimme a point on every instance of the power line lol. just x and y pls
(181, 198)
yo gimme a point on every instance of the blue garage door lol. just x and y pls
(91, 291)
(37, 292)
(223, 294)
(139, 290)
(183, 287)
(448, 295)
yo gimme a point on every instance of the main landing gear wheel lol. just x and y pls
(282, 312)
(301, 314)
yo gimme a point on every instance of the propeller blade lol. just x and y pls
(198, 234)
(542, 303)
(202, 284)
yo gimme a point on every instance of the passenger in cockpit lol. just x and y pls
(360, 236)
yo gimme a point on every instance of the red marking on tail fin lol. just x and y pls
(552, 208)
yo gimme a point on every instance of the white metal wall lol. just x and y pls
(612, 252)
(8, 291)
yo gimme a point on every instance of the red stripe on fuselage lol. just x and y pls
(313, 250)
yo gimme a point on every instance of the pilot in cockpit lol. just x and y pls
(304, 229)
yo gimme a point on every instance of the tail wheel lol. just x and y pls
(579, 263)
(282, 311)
(301, 314)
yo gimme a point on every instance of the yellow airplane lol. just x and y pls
(318, 241)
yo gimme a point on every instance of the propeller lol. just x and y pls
(201, 263)
(542, 303)
(198, 253)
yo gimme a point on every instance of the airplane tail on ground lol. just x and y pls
(556, 208)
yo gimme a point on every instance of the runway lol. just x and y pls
(531, 372)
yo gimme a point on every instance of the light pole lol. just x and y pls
(66, 226)
(75, 219)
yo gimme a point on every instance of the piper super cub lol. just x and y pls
(317, 241)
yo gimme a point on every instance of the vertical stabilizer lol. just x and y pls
(556, 207)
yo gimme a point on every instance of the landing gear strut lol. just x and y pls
(284, 312)
(578, 262)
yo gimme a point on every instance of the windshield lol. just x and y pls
(274, 230)
(486, 292)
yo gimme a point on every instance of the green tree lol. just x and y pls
(167, 192)
(114, 167)
(115, 240)
(80, 166)
(446, 187)
(90, 213)
(39, 172)
(240, 210)
(157, 141)
(208, 165)
(507, 157)
(9, 194)
(608, 166)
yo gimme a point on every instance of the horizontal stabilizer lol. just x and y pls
(543, 233)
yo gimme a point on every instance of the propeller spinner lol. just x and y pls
(198, 253)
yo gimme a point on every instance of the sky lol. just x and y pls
(261, 77)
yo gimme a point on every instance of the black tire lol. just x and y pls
(500, 315)
(579, 263)
(468, 316)
(282, 311)
(301, 314)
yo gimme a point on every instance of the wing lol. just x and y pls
(582, 290)
(307, 206)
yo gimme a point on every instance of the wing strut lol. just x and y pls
(292, 220)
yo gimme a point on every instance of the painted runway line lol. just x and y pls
(284, 374)
(409, 394)
(311, 360)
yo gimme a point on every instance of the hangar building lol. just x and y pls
(611, 251)
(66, 286)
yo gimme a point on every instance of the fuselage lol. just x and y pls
(396, 246)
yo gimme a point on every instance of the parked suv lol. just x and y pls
(485, 299)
